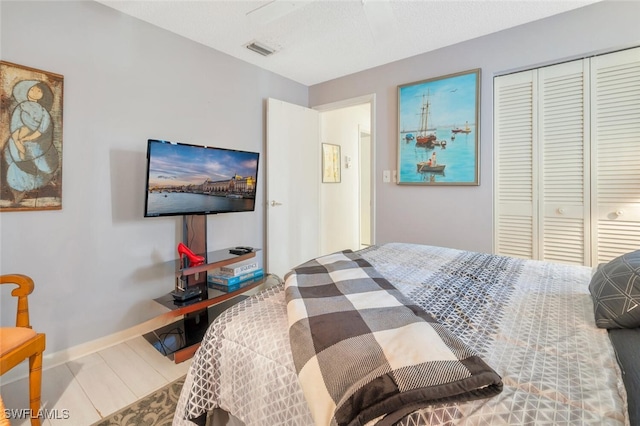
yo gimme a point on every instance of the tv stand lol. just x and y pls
(182, 338)
(201, 310)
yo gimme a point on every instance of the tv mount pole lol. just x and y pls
(194, 236)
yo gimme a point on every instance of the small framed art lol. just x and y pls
(330, 163)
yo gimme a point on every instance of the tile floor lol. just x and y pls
(96, 385)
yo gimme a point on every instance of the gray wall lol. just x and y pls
(461, 216)
(97, 262)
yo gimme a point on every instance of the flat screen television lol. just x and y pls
(185, 179)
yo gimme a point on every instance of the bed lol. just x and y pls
(531, 322)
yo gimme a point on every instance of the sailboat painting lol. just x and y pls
(438, 130)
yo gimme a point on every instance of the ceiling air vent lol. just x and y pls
(260, 48)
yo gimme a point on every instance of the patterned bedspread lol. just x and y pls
(531, 321)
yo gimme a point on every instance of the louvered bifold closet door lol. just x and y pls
(615, 133)
(563, 160)
(515, 218)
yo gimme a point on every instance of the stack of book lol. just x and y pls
(232, 277)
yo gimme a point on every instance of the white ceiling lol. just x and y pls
(319, 40)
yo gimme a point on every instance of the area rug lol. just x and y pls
(155, 409)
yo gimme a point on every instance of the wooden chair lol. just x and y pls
(21, 342)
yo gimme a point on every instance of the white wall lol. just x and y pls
(340, 202)
(461, 217)
(98, 263)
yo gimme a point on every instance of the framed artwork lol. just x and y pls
(330, 163)
(438, 128)
(31, 143)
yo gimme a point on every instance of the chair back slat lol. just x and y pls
(25, 287)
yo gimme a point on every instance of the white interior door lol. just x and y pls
(293, 186)
(563, 162)
(515, 150)
(615, 125)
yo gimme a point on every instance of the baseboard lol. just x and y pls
(50, 360)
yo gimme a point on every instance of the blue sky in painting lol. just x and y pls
(453, 102)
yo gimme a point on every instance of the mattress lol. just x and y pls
(531, 321)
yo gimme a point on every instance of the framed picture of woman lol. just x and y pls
(31, 144)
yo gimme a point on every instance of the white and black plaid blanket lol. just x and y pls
(363, 351)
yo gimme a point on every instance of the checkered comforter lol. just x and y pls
(363, 351)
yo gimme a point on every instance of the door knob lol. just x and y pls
(275, 203)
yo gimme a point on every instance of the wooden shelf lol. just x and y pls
(213, 260)
(208, 298)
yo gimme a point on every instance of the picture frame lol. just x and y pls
(31, 145)
(330, 163)
(438, 130)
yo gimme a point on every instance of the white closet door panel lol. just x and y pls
(515, 189)
(515, 237)
(564, 211)
(563, 240)
(625, 212)
(615, 131)
(616, 238)
(564, 186)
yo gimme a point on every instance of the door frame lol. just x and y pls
(345, 103)
(361, 178)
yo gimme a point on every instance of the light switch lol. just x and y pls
(386, 176)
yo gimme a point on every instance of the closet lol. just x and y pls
(567, 160)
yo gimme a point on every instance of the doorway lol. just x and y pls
(346, 207)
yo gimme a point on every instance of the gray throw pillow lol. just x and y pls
(615, 288)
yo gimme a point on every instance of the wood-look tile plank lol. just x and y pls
(62, 393)
(15, 396)
(25, 421)
(98, 384)
(134, 370)
(103, 386)
(170, 370)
